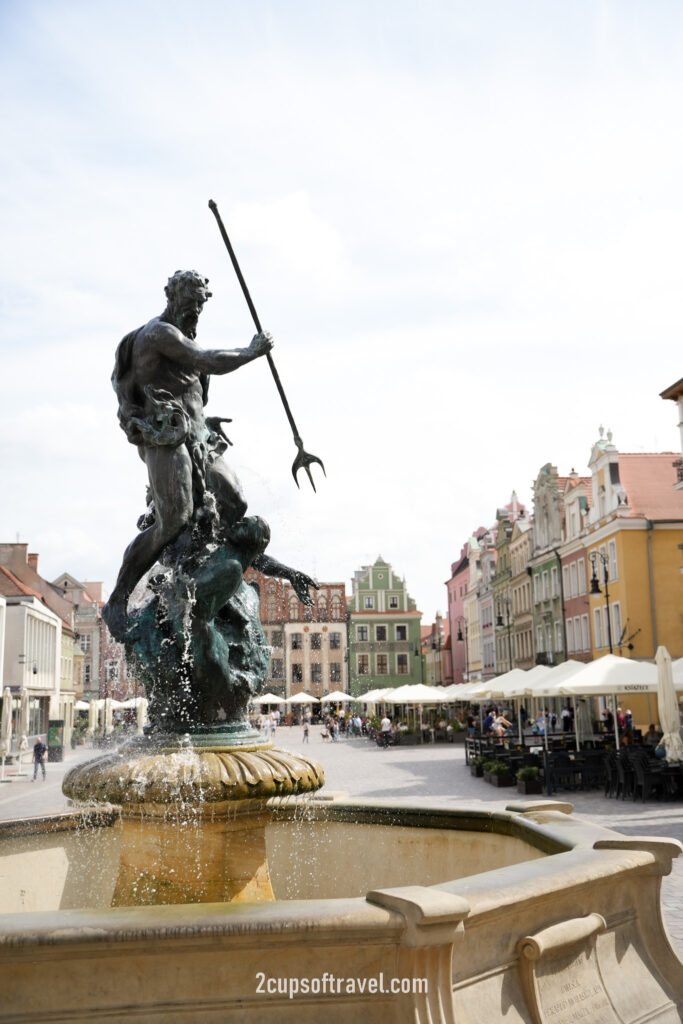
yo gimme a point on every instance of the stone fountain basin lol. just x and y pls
(527, 914)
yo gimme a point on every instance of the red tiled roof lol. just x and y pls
(648, 479)
(11, 585)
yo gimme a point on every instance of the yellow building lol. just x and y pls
(634, 547)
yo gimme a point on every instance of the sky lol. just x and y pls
(461, 222)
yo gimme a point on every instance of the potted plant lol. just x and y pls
(498, 773)
(528, 781)
(477, 766)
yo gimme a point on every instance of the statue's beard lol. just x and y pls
(188, 325)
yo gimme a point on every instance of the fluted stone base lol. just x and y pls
(193, 817)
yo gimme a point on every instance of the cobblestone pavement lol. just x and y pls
(436, 772)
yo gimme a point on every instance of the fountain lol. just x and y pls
(205, 877)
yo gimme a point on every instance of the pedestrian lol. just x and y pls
(39, 752)
(306, 731)
(385, 729)
(566, 715)
(471, 724)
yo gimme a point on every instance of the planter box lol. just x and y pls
(529, 786)
(407, 739)
(458, 737)
(507, 779)
(477, 770)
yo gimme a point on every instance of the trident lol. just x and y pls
(303, 459)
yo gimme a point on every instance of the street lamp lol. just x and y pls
(462, 621)
(595, 586)
(499, 624)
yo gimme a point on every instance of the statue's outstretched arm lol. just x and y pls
(299, 580)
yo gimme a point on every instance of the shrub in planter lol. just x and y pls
(528, 781)
(498, 773)
(477, 766)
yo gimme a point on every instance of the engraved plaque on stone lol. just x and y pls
(560, 974)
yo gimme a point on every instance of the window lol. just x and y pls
(554, 581)
(565, 579)
(293, 610)
(335, 641)
(363, 664)
(276, 638)
(277, 668)
(393, 602)
(362, 634)
(316, 672)
(616, 623)
(335, 608)
(570, 636)
(537, 588)
(539, 639)
(559, 639)
(113, 671)
(297, 642)
(402, 664)
(316, 641)
(85, 642)
(601, 563)
(612, 548)
(322, 609)
(382, 665)
(369, 602)
(597, 626)
(297, 673)
(401, 632)
(546, 586)
(585, 633)
(573, 589)
(381, 634)
(86, 673)
(581, 570)
(335, 671)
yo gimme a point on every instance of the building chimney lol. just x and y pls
(32, 560)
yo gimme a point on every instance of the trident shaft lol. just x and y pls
(303, 459)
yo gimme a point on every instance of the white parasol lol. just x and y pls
(93, 715)
(23, 719)
(5, 727)
(108, 716)
(141, 714)
(303, 698)
(669, 718)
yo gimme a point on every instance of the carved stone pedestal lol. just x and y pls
(193, 818)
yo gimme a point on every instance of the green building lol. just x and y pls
(384, 631)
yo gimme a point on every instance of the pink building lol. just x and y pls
(456, 587)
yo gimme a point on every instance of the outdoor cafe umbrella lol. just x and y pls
(268, 698)
(303, 698)
(93, 715)
(610, 675)
(338, 695)
(669, 718)
(23, 718)
(108, 716)
(5, 727)
(140, 714)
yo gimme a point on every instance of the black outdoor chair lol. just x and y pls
(625, 774)
(648, 776)
(611, 775)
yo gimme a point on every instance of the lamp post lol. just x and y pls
(595, 587)
(462, 621)
(499, 622)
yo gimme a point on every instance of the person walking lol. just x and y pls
(39, 752)
(306, 730)
(385, 729)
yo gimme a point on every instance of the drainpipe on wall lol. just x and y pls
(653, 616)
(564, 621)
